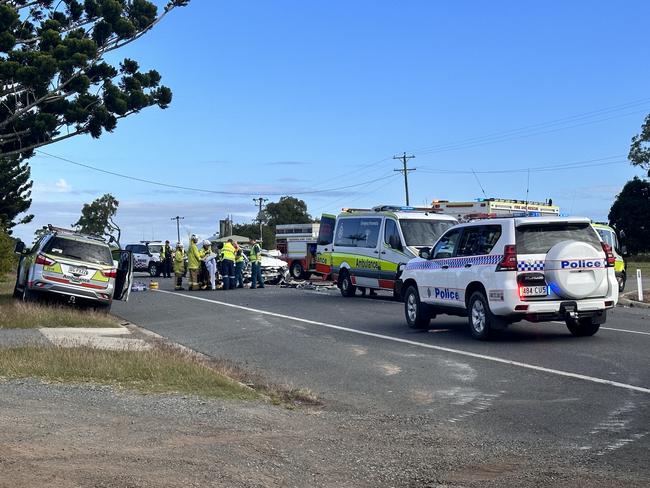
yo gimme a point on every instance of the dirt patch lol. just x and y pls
(78, 436)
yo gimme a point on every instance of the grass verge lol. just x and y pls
(15, 314)
(160, 370)
(632, 266)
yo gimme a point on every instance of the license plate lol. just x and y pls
(533, 291)
(78, 270)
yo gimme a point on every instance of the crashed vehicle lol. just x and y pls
(274, 270)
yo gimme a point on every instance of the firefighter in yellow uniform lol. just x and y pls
(193, 263)
(228, 265)
(179, 265)
(240, 264)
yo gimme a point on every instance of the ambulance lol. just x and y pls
(364, 249)
(608, 235)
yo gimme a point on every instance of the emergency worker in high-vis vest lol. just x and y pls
(240, 264)
(255, 257)
(228, 265)
(193, 263)
(179, 265)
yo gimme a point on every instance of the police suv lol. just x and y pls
(504, 270)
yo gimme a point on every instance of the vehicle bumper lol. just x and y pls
(104, 295)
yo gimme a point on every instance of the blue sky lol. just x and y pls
(289, 96)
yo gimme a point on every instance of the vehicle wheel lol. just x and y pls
(29, 295)
(345, 283)
(583, 327)
(417, 315)
(481, 320)
(297, 271)
(154, 270)
(621, 278)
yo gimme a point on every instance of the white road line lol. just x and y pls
(611, 328)
(495, 359)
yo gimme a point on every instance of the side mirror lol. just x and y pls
(425, 253)
(20, 247)
(394, 242)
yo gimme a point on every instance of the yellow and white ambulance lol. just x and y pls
(364, 249)
(608, 235)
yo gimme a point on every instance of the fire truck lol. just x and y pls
(494, 207)
(297, 244)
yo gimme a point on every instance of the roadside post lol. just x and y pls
(639, 284)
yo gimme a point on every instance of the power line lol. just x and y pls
(478, 140)
(203, 190)
(405, 171)
(558, 167)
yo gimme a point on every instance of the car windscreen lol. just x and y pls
(421, 232)
(79, 250)
(540, 238)
(154, 248)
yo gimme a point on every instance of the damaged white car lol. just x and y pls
(274, 270)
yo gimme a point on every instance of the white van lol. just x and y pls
(365, 248)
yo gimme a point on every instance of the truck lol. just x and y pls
(297, 244)
(495, 207)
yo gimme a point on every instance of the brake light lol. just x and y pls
(509, 260)
(609, 255)
(109, 273)
(44, 260)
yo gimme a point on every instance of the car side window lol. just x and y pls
(469, 242)
(446, 246)
(479, 240)
(391, 230)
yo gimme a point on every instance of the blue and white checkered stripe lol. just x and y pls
(456, 262)
(536, 265)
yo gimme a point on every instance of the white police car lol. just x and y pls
(504, 270)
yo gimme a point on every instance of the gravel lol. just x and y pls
(83, 435)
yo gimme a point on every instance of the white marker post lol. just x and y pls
(639, 284)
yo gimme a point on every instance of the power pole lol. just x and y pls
(405, 171)
(178, 226)
(260, 202)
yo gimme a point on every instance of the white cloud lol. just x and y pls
(59, 186)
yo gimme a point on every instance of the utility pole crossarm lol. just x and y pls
(405, 170)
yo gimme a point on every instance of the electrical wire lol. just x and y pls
(533, 129)
(204, 190)
(557, 167)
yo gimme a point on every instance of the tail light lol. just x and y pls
(509, 260)
(44, 260)
(109, 273)
(609, 255)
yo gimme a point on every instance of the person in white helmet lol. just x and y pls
(179, 265)
(210, 260)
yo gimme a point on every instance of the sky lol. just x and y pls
(313, 99)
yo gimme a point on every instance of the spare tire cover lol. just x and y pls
(575, 269)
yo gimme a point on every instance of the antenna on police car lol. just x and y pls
(527, 189)
(479, 182)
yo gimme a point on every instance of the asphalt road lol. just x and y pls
(536, 385)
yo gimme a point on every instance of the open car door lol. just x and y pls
(325, 245)
(124, 278)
